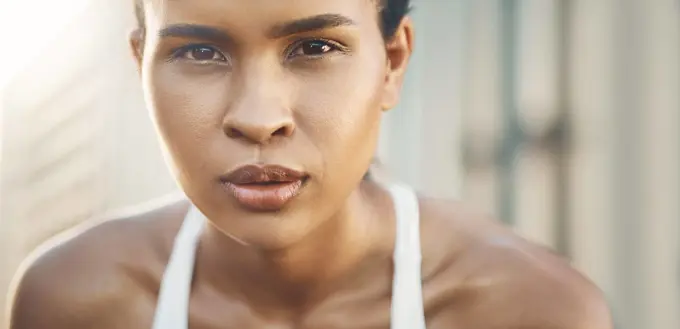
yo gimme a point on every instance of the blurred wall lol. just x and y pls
(582, 138)
(559, 117)
(562, 118)
(77, 139)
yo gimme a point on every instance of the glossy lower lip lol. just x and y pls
(265, 197)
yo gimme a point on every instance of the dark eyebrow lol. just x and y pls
(195, 31)
(308, 24)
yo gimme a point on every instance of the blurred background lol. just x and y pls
(560, 117)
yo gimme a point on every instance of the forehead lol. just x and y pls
(254, 13)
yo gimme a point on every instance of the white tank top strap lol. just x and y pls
(407, 293)
(172, 309)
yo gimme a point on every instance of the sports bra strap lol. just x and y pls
(172, 309)
(407, 294)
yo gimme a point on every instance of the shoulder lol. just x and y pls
(96, 266)
(488, 276)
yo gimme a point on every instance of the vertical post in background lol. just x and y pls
(541, 122)
(512, 134)
(626, 174)
(482, 127)
(562, 229)
(592, 156)
(443, 44)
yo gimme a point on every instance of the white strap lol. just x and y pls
(172, 310)
(407, 292)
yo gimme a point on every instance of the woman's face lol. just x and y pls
(295, 83)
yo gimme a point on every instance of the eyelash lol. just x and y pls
(179, 53)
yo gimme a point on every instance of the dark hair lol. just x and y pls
(391, 14)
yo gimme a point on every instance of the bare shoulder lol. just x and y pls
(487, 276)
(108, 265)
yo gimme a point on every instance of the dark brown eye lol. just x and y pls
(313, 48)
(316, 48)
(201, 54)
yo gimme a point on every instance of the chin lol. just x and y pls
(266, 231)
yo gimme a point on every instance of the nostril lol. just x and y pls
(283, 131)
(258, 133)
(233, 133)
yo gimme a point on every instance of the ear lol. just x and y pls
(399, 50)
(137, 47)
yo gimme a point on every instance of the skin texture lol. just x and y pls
(311, 101)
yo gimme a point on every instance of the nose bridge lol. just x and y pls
(259, 110)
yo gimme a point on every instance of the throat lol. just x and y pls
(329, 253)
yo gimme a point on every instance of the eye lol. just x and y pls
(313, 48)
(198, 53)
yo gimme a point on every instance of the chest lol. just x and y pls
(235, 313)
(359, 311)
(369, 307)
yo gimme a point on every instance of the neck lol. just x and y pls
(337, 249)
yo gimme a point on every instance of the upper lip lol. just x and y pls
(254, 174)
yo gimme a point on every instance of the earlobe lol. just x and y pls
(399, 49)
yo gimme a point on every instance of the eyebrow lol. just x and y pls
(195, 31)
(308, 24)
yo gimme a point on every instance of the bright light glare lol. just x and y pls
(27, 26)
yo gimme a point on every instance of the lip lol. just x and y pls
(264, 187)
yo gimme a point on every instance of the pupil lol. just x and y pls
(203, 54)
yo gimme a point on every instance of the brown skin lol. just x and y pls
(324, 261)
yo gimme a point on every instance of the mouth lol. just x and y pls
(264, 188)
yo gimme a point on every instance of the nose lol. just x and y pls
(259, 129)
(258, 117)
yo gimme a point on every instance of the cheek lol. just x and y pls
(186, 109)
(340, 112)
(342, 102)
